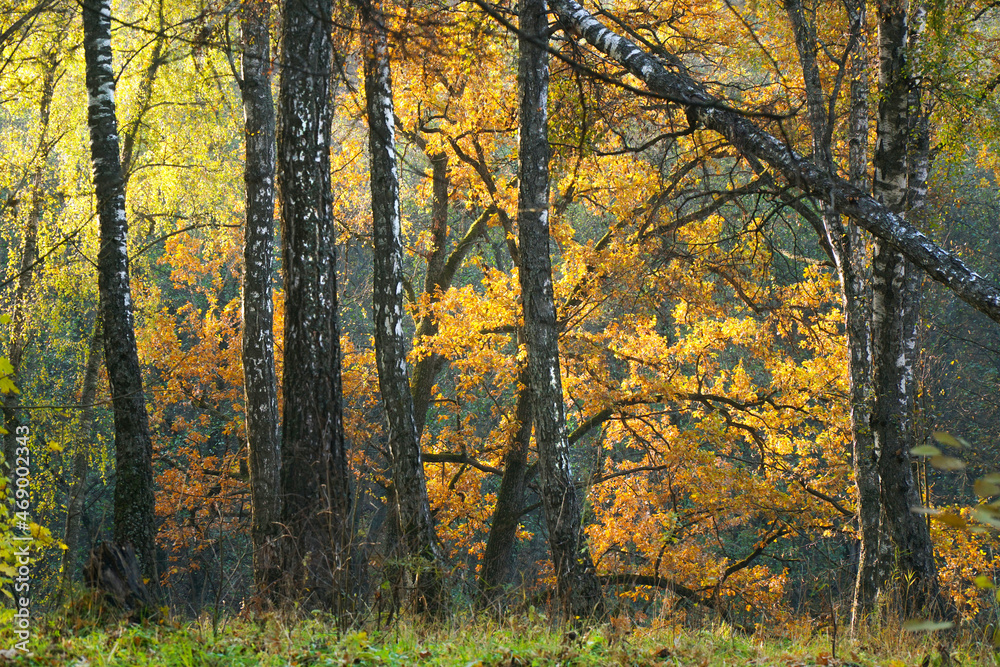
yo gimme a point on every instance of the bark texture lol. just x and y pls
(315, 486)
(855, 278)
(409, 489)
(671, 81)
(133, 500)
(260, 381)
(81, 458)
(908, 581)
(498, 558)
(577, 585)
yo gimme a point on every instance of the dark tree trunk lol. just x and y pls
(260, 382)
(409, 490)
(577, 585)
(498, 559)
(133, 501)
(143, 103)
(84, 438)
(425, 371)
(315, 485)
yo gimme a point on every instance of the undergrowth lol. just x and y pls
(518, 641)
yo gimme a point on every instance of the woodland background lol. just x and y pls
(702, 344)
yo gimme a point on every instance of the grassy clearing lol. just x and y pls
(515, 642)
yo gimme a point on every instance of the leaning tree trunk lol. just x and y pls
(498, 558)
(426, 369)
(666, 76)
(314, 552)
(133, 500)
(409, 490)
(576, 581)
(260, 382)
(909, 575)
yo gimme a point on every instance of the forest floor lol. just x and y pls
(515, 642)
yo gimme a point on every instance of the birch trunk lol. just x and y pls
(314, 553)
(260, 381)
(133, 499)
(409, 491)
(909, 583)
(855, 277)
(675, 84)
(577, 585)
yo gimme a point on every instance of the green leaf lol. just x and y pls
(987, 515)
(5, 319)
(947, 463)
(985, 489)
(5, 366)
(926, 625)
(982, 581)
(946, 439)
(925, 450)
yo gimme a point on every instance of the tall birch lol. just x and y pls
(409, 488)
(133, 500)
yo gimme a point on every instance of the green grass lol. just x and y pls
(515, 642)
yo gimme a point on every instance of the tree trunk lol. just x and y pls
(498, 559)
(74, 505)
(576, 582)
(133, 501)
(260, 381)
(908, 581)
(855, 278)
(409, 491)
(314, 553)
(425, 371)
(761, 148)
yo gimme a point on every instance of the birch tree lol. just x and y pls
(576, 581)
(409, 489)
(133, 499)
(901, 167)
(315, 484)
(880, 328)
(669, 80)
(260, 381)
